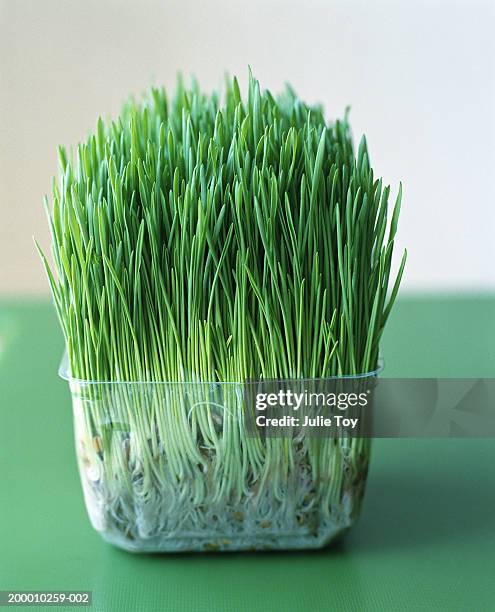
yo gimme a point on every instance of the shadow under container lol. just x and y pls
(170, 467)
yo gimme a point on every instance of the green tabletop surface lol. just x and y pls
(425, 540)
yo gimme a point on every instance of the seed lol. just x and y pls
(97, 445)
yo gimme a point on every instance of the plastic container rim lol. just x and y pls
(64, 373)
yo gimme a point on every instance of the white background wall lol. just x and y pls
(419, 75)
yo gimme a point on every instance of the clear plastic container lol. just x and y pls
(169, 467)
